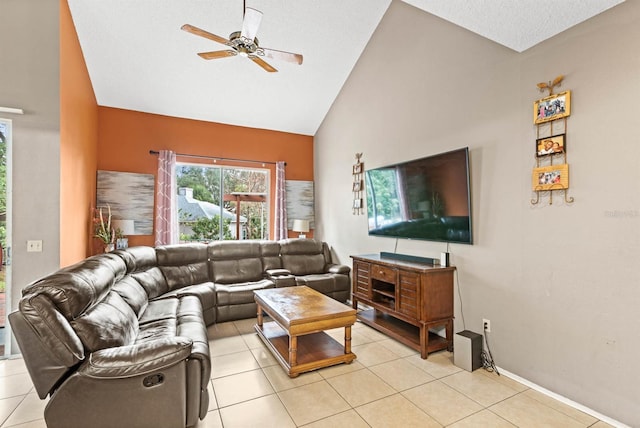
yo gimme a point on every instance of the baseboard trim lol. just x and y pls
(562, 399)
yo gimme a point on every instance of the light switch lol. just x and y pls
(34, 246)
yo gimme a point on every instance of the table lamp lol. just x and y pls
(301, 226)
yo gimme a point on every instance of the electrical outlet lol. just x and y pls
(486, 325)
(34, 246)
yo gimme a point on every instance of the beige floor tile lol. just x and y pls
(360, 387)
(371, 354)
(29, 409)
(38, 423)
(348, 419)
(246, 326)
(213, 403)
(8, 405)
(441, 402)
(17, 384)
(525, 412)
(437, 365)
(401, 374)
(356, 337)
(479, 388)
(395, 411)
(252, 340)
(398, 348)
(229, 364)
(483, 419)
(225, 329)
(310, 403)
(601, 424)
(576, 414)
(264, 357)
(12, 366)
(264, 412)
(281, 381)
(241, 387)
(340, 369)
(515, 385)
(212, 420)
(373, 334)
(227, 345)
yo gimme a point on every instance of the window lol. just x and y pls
(222, 203)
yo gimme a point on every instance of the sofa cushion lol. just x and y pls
(153, 282)
(107, 324)
(236, 294)
(302, 256)
(133, 293)
(270, 254)
(76, 288)
(183, 264)
(235, 261)
(138, 259)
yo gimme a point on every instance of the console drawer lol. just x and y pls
(383, 273)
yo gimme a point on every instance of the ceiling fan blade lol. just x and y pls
(251, 23)
(207, 35)
(282, 55)
(263, 64)
(217, 54)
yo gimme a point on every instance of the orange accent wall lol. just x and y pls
(125, 138)
(78, 145)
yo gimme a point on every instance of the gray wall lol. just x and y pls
(559, 283)
(29, 79)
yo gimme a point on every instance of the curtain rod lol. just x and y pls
(154, 152)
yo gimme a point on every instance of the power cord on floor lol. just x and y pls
(464, 327)
(487, 359)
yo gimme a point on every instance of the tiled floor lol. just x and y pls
(389, 385)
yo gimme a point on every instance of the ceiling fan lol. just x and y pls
(244, 43)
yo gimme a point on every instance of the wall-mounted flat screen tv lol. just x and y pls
(427, 198)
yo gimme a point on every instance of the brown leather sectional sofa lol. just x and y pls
(120, 339)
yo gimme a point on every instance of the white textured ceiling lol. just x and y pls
(139, 59)
(516, 24)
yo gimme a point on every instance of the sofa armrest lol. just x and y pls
(138, 359)
(343, 269)
(277, 272)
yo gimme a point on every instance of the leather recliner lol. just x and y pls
(95, 340)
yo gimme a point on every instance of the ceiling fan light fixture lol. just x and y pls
(244, 43)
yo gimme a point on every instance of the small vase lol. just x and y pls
(108, 248)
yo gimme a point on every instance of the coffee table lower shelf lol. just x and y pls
(315, 350)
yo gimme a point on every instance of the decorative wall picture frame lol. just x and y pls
(552, 107)
(553, 145)
(357, 168)
(130, 196)
(357, 185)
(300, 202)
(553, 177)
(357, 203)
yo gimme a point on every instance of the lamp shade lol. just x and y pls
(127, 227)
(300, 225)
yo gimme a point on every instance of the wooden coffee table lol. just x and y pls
(296, 335)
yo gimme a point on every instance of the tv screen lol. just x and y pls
(427, 198)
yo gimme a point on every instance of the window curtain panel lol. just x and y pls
(280, 229)
(166, 218)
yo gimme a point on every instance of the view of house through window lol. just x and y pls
(222, 203)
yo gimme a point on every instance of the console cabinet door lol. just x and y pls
(361, 282)
(408, 295)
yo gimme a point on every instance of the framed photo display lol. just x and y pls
(553, 145)
(550, 177)
(552, 107)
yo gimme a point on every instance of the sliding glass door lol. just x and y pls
(5, 234)
(222, 203)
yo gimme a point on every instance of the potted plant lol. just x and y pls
(103, 229)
